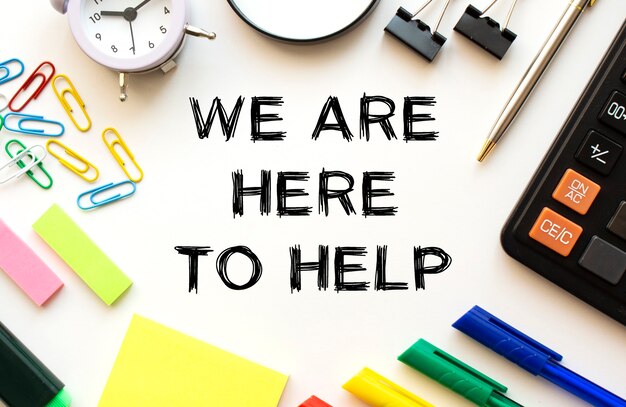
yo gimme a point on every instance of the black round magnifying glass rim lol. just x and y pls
(372, 5)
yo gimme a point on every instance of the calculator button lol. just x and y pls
(604, 260)
(614, 113)
(555, 232)
(617, 224)
(599, 152)
(576, 191)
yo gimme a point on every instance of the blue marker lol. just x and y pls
(532, 356)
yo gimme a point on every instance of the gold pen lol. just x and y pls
(533, 74)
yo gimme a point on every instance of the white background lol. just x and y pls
(445, 199)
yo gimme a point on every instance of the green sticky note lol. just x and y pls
(73, 245)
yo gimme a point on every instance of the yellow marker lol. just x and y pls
(377, 391)
(66, 106)
(83, 170)
(111, 146)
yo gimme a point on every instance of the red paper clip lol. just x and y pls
(45, 79)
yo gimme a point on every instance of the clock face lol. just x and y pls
(127, 29)
(128, 35)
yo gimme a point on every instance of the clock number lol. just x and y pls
(163, 29)
(150, 44)
(131, 49)
(113, 48)
(98, 1)
(95, 17)
(98, 36)
(165, 10)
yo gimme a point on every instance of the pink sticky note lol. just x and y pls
(23, 265)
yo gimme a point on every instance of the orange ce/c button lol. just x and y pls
(576, 192)
(555, 232)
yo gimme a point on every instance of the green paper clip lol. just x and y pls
(21, 164)
(456, 375)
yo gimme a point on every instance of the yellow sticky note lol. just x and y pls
(158, 366)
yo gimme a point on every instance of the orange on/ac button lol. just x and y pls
(555, 232)
(576, 192)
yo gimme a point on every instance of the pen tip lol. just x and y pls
(485, 150)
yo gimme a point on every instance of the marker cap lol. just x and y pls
(314, 402)
(377, 391)
(451, 372)
(505, 340)
(24, 380)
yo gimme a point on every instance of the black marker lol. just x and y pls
(24, 380)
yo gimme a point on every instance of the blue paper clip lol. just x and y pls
(25, 118)
(4, 66)
(93, 193)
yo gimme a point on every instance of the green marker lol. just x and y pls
(24, 380)
(456, 375)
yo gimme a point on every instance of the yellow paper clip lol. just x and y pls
(377, 391)
(111, 146)
(80, 171)
(66, 106)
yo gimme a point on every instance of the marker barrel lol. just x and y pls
(579, 386)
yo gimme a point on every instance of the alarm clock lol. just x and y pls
(130, 36)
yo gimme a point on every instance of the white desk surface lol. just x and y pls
(445, 199)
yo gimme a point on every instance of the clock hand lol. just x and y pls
(129, 13)
(132, 37)
(143, 3)
(112, 13)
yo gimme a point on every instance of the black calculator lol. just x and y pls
(570, 223)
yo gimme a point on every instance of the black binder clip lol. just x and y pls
(415, 33)
(485, 31)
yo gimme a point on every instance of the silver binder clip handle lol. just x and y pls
(199, 32)
(123, 86)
